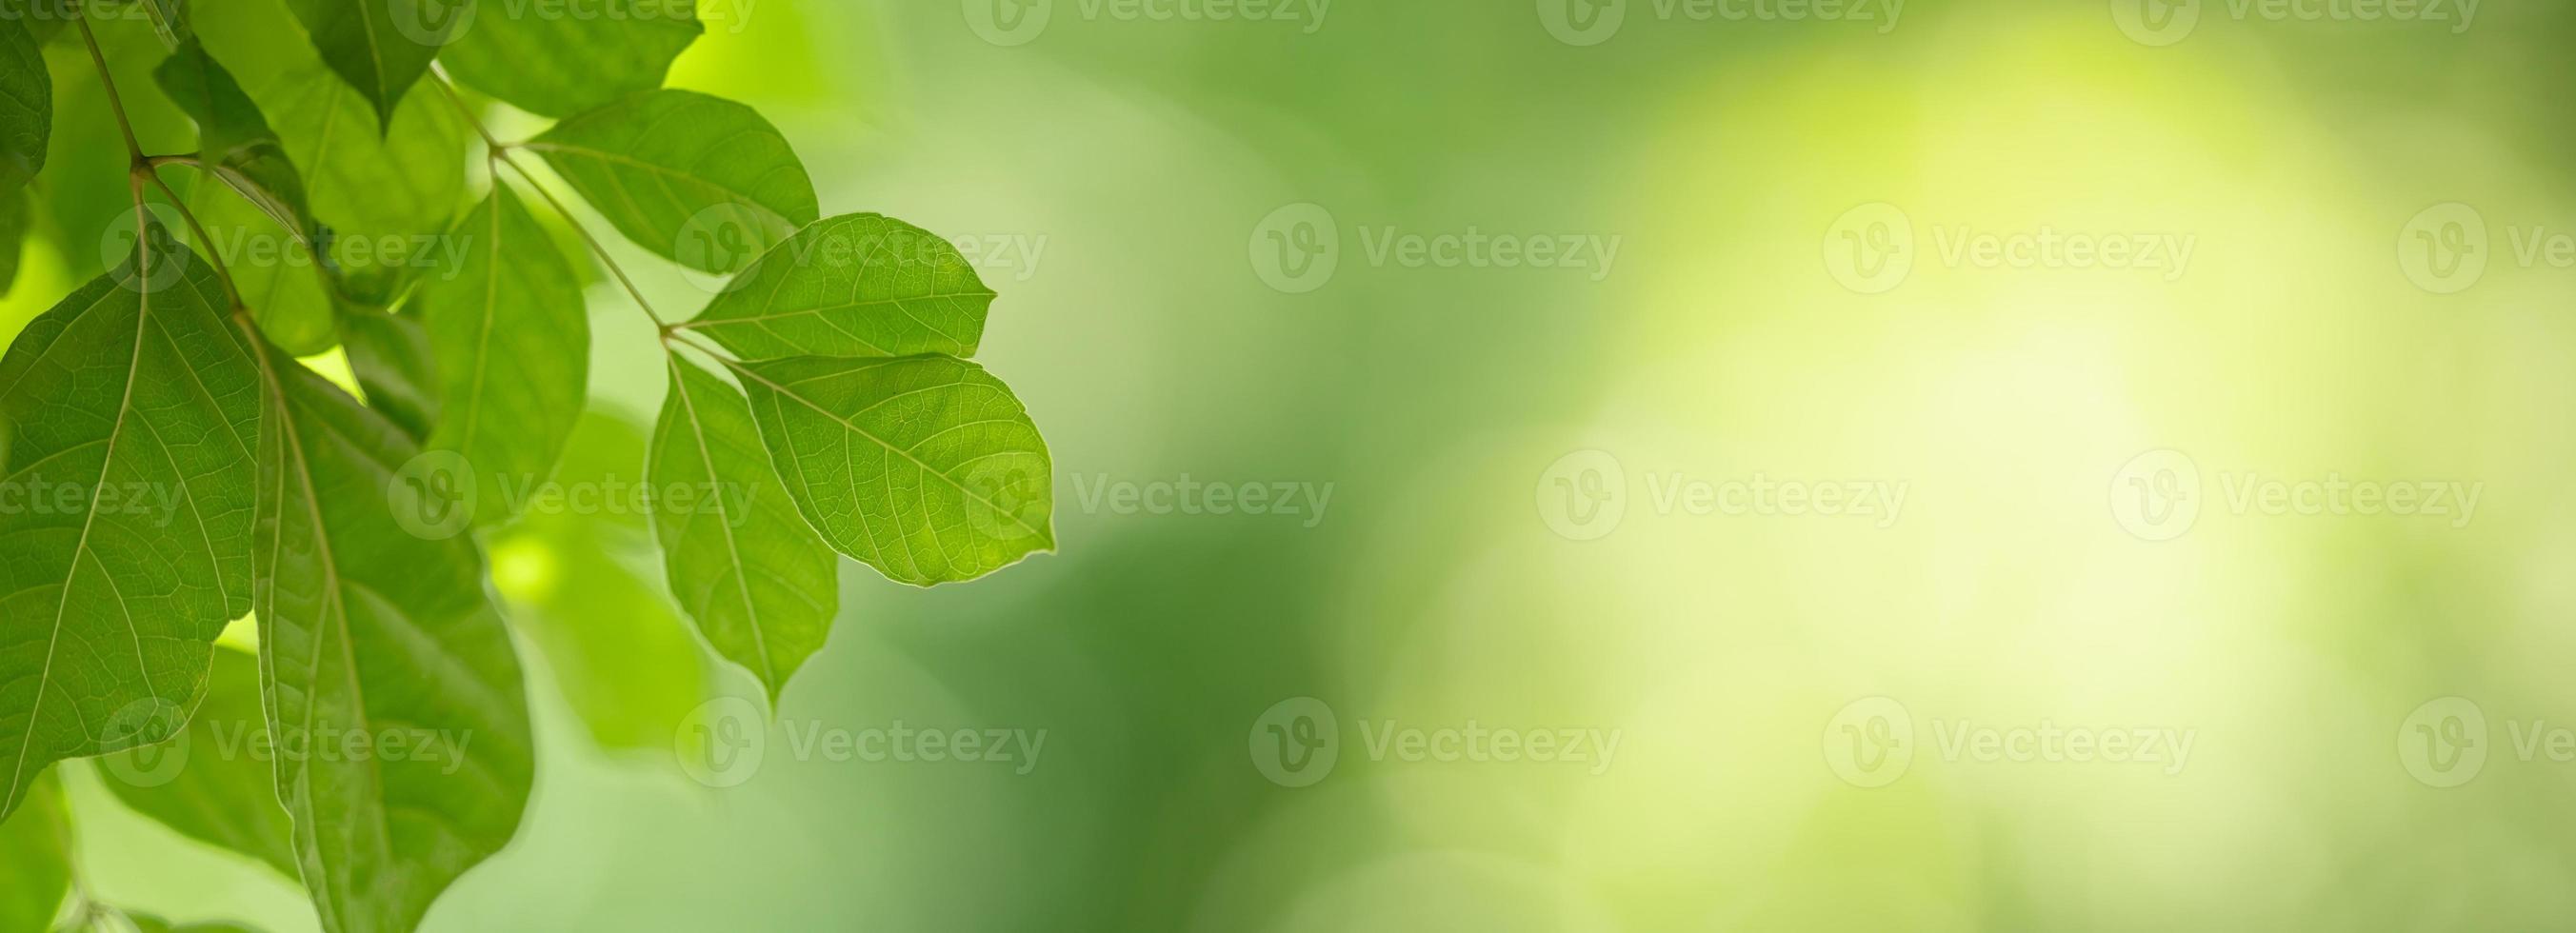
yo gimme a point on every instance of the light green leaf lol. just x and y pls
(26, 106)
(213, 783)
(368, 629)
(510, 338)
(381, 47)
(233, 140)
(35, 859)
(557, 66)
(856, 285)
(386, 198)
(135, 402)
(287, 289)
(577, 578)
(699, 180)
(389, 353)
(924, 467)
(739, 557)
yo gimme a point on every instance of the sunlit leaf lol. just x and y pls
(739, 558)
(137, 404)
(558, 66)
(702, 181)
(858, 285)
(511, 343)
(369, 629)
(924, 467)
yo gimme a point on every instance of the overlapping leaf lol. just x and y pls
(390, 355)
(702, 181)
(381, 47)
(26, 106)
(368, 629)
(135, 413)
(924, 467)
(857, 285)
(558, 66)
(739, 557)
(386, 198)
(214, 783)
(233, 140)
(511, 343)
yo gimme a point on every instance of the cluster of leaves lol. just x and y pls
(825, 391)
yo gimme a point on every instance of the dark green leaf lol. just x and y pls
(740, 559)
(557, 66)
(368, 629)
(381, 47)
(233, 140)
(14, 218)
(858, 285)
(214, 783)
(924, 467)
(386, 199)
(699, 180)
(390, 354)
(35, 859)
(26, 106)
(511, 342)
(137, 402)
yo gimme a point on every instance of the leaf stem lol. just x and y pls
(143, 169)
(499, 152)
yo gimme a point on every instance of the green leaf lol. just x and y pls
(134, 401)
(287, 288)
(233, 140)
(214, 783)
(14, 220)
(557, 66)
(924, 467)
(742, 562)
(577, 578)
(83, 197)
(510, 338)
(856, 285)
(35, 859)
(381, 47)
(386, 198)
(390, 355)
(26, 106)
(368, 629)
(701, 181)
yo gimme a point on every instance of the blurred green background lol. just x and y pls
(1124, 171)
